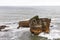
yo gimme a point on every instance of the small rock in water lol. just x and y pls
(3, 27)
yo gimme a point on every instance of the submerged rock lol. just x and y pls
(3, 27)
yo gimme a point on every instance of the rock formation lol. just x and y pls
(23, 24)
(36, 24)
(3, 27)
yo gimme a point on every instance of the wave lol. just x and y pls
(54, 33)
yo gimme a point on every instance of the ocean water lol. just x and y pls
(11, 15)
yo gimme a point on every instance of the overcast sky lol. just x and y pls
(29, 2)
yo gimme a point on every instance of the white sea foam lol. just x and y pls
(54, 33)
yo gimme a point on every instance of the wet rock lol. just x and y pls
(51, 26)
(45, 25)
(23, 24)
(3, 27)
(38, 25)
(35, 25)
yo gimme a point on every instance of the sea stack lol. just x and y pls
(36, 25)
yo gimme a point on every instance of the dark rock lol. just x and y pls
(36, 24)
(3, 27)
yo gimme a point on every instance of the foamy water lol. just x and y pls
(15, 33)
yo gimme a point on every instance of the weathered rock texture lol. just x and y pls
(23, 24)
(37, 25)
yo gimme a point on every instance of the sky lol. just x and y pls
(29, 2)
